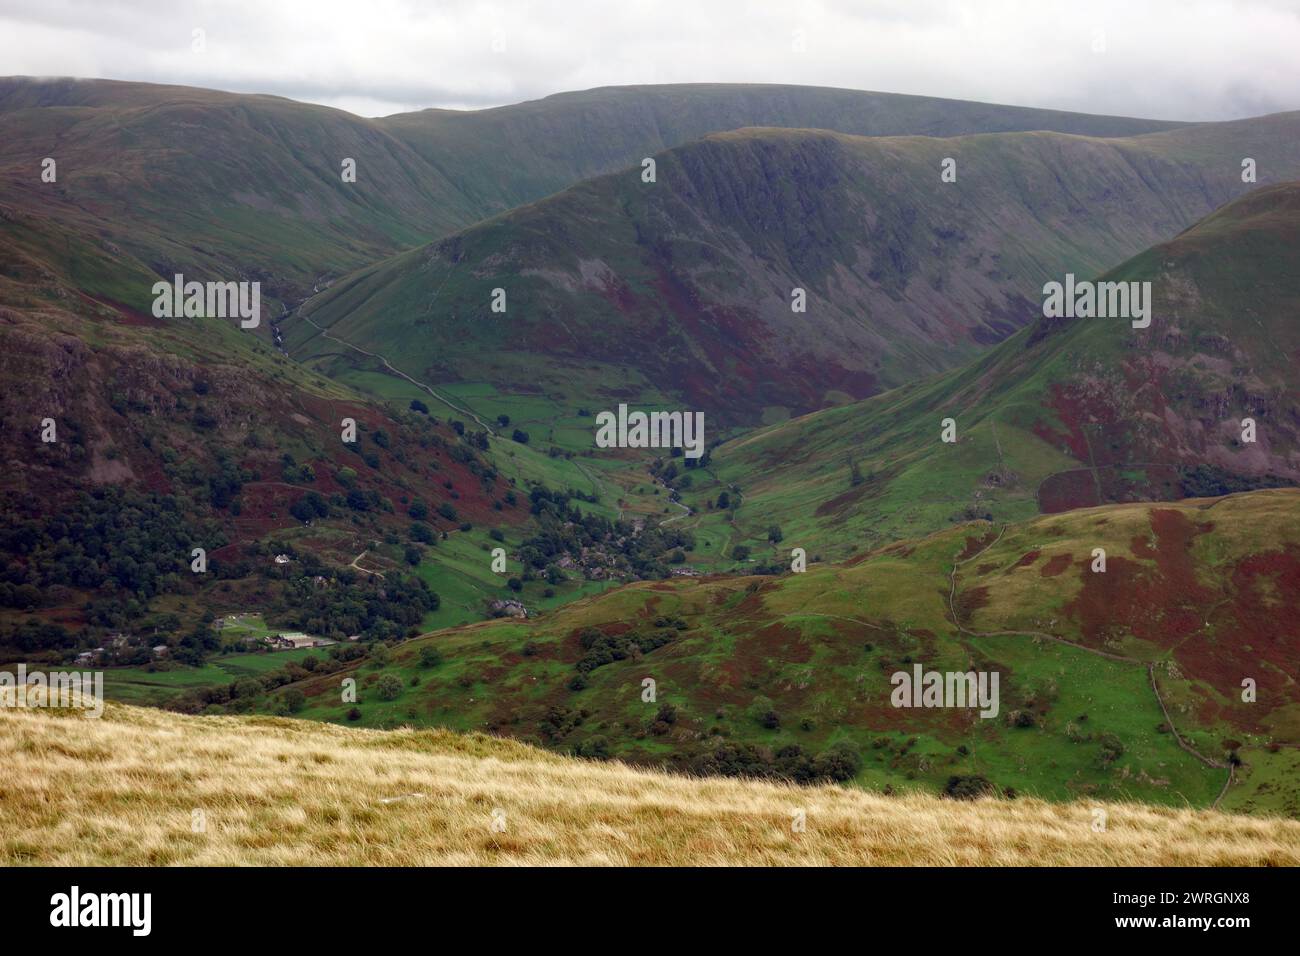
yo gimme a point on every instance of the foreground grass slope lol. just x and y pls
(124, 789)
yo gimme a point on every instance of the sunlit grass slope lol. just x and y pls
(124, 790)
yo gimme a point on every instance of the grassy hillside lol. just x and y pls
(154, 180)
(475, 432)
(622, 290)
(213, 185)
(286, 793)
(1063, 414)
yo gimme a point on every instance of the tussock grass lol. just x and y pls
(122, 789)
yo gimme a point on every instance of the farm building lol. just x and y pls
(295, 639)
(508, 608)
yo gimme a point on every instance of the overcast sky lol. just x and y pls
(1168, 59)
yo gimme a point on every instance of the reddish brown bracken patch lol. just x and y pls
(1246, 626)
(1056, 564)
(975, 545)
(967, 602)
(1067, 490)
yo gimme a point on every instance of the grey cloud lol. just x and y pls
(1179, 59)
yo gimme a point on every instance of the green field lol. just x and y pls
(157, 684)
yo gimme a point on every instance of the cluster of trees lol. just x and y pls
(675, 477)
(216, 483)
(1207, 481)
(567, 530)
(196, 644)
(602, 648)
(840, 762)
(309, 507)
(112, 540)
(473, 438)
(128, 547)
(294, 473)
(544, 501)
(968, 787)
(559, 722)
(225, 482)
(348, 603)
(33, 637)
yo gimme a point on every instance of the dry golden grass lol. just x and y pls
(121, 790)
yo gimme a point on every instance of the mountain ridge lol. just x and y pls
(249, 186)
(905, 275)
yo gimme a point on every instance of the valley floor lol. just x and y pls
(145, 787)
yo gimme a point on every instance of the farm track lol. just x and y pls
(428, 389)
(355, 564)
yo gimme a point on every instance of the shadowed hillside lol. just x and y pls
(137, 440)
(1066, 413)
